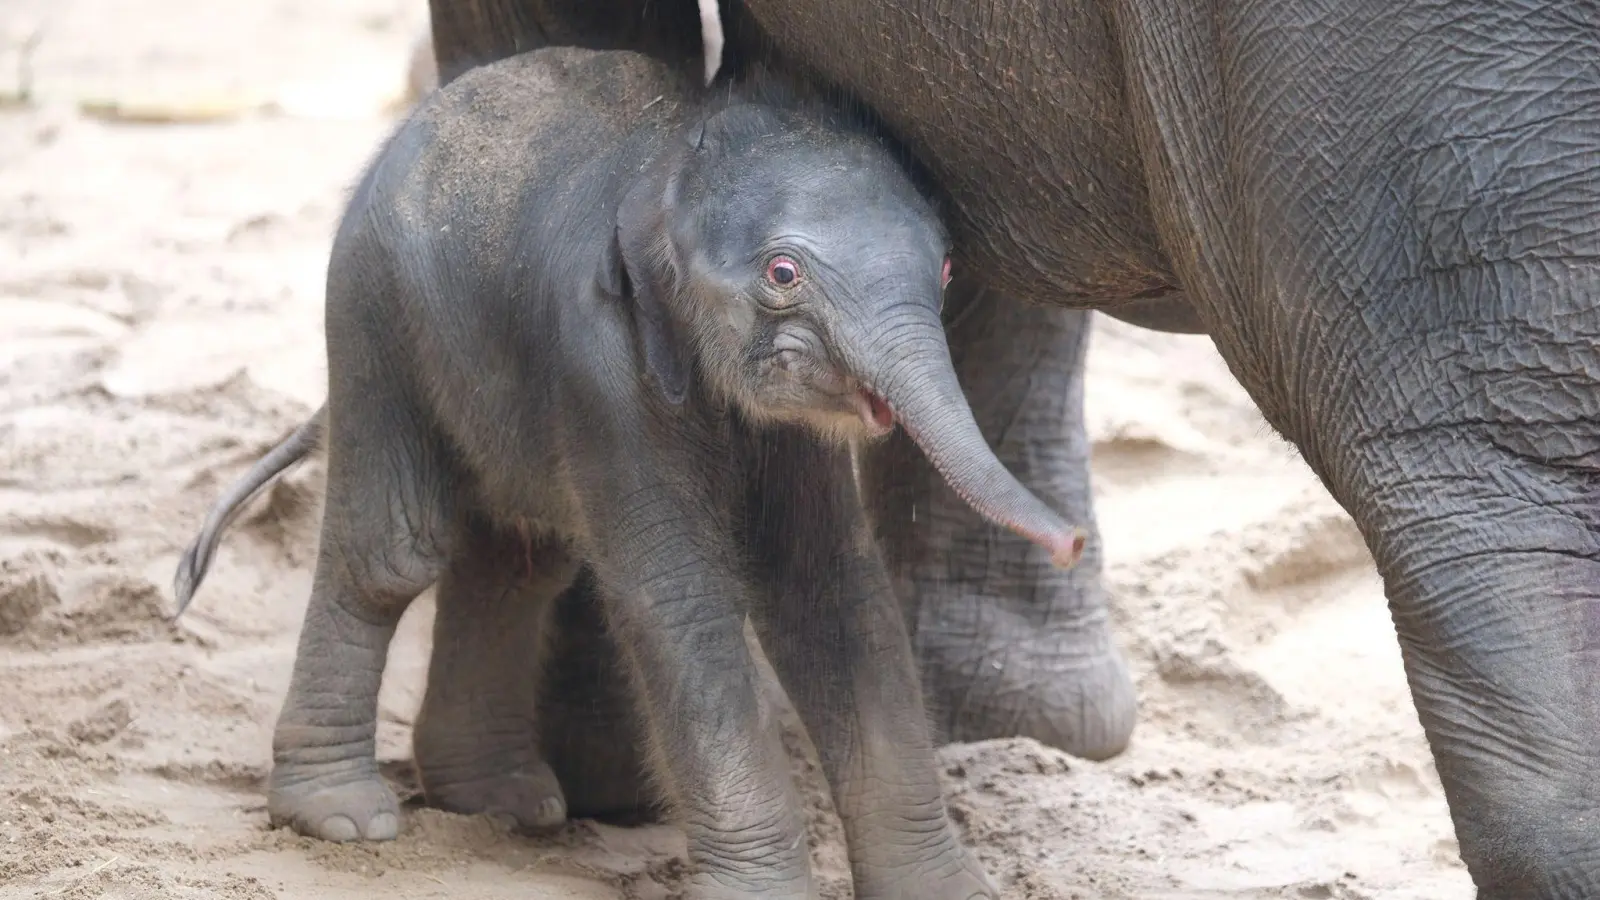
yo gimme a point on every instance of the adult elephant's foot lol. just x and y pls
(1009, 645)
(340, 806)
(991, 674)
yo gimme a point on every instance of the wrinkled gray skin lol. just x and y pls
(1387, 217)
(1007, 643)
(597, 352)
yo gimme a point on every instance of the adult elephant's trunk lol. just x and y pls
(905, 364)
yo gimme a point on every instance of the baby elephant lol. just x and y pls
(580, 300)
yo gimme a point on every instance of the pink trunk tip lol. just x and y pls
(1067, 551)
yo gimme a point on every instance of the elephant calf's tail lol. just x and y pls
(197, 558)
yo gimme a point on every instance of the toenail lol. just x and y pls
(339, 829)
(552, 812)
(384, 826)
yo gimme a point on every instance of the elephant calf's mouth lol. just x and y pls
(875, 413)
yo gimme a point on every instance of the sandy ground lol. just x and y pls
(160, 304)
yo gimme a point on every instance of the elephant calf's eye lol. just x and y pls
(783, 272)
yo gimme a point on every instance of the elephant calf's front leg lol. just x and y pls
(833, 630)
(672, 595)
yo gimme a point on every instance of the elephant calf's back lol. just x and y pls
(526, 130)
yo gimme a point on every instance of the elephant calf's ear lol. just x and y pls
(664, 353)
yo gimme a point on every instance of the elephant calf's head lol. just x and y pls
(806, 272)
(798, 245)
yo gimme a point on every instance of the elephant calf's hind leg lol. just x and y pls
(477, 738)
(589, 732)
(383, 517)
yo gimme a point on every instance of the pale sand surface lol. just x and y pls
(160, 327)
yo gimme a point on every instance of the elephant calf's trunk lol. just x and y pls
(997, 495)
(926, 398)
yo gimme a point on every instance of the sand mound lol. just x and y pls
(160, 304)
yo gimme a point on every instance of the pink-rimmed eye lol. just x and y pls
(944, 277)
(783, 272)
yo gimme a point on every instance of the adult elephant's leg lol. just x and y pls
(1397, 248)
(1009, 645)
(468, 33)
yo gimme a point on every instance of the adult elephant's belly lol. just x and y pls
(1019, 110)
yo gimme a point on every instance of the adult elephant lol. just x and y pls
(1387, 217)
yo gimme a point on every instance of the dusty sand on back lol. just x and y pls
(160, 303)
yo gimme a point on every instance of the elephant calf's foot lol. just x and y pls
(348, 808)
(971, 883)
(954, 874)
(712, 887)
(530, 799)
